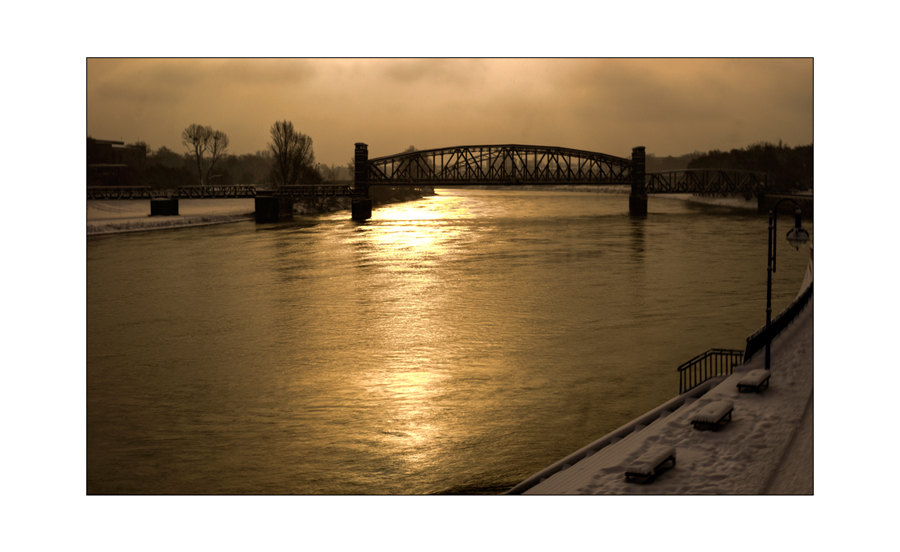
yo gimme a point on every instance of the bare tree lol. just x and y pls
(293, 155)
(195, 138)
(200, 140)
(218, 145)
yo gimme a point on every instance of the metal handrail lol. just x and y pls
(758, 340)
(712, 363)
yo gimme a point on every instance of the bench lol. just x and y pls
(655, 461)
(713, 416)
(754, 380)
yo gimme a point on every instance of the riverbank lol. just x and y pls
(729, 201)
(124, 216)
(767, 448)
(735, 202)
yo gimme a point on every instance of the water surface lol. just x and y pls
(458, 343)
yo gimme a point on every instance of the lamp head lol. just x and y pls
(797, 235)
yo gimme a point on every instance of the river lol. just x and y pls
(454, 344)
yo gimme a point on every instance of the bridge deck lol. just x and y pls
(216, 192)
(703, 181)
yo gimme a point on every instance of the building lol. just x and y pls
(112, 163)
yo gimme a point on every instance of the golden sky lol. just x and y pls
(670, 106)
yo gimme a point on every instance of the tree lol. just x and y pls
(218, 145)
(167, 158)
(418, 167)
(293, 158)
(205, 146)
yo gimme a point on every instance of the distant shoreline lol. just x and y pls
(142, 223)
(132, 225)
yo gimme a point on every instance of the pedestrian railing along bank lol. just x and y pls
(758, 340)
(712, 363)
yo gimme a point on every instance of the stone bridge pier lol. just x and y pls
(271, 208)
(637, 201)
(361, 204)
(164, 207)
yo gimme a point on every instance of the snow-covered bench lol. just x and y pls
(651, 464)
(754, 380)
(714, 415)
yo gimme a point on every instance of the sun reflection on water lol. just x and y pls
(406, 242)
(409, 421)
(415, 229)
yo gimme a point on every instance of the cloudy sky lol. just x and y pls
(670, 106)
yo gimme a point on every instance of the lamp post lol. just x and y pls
(796, 236)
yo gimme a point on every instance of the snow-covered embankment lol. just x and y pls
(112, 217)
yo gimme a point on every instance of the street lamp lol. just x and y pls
(796, 236)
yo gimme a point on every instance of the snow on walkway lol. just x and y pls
(749, 455)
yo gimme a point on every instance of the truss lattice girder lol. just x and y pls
(314, 191)
(214, 192)
(499, 164)
(699, 181)
(119, 192)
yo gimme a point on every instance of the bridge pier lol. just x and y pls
(361, 208)
(163, 207)
(637, 201)
(273, 209)
(361, 204)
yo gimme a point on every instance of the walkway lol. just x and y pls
(766, 449)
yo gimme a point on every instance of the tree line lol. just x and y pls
(288, 159)
(789, 169)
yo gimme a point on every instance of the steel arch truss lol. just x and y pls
(707, 181)
(498, 165)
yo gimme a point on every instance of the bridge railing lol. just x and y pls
(216, 192)
(712, 363)
(120, 192)
(210, 192)
(712, 181)
(314, 191)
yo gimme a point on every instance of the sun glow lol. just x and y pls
(415, 228)
(402, 246)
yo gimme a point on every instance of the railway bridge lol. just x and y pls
(495, 165)
(515, 164)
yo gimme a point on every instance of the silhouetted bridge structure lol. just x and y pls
(492, 165)
(515, 164)
(218, 192)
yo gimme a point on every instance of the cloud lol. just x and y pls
(671, 106)
(434, 72)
